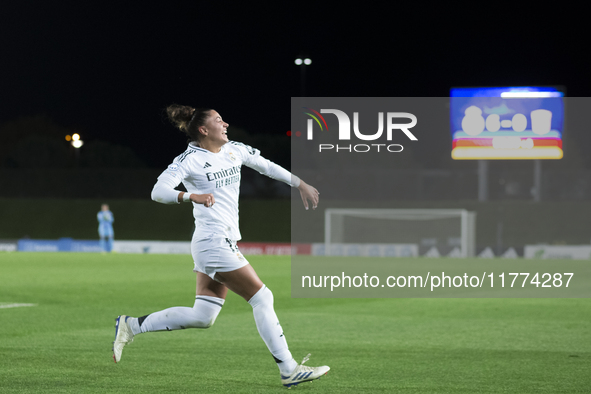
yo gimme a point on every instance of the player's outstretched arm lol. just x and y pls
(274, 171)
(308, 193)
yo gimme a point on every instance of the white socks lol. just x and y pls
(270, 329)
(202, 315)
(206, 310)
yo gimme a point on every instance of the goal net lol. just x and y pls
(400, 232)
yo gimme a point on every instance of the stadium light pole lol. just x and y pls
(76, 142)
(303, 63)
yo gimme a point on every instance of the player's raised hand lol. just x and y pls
(206, 199)
(308, 193)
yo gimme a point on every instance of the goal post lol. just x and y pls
(401, 226)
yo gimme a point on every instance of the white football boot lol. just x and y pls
(123, 336)
(303, 373)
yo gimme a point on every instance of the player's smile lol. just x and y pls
(217, 128)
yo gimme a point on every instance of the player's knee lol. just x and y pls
(203, 318)
(203, 323)
(209, 323)
(263, 297)
(206, 311)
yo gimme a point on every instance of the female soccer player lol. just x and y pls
(210, 171)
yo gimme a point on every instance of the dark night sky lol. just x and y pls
(109, 70)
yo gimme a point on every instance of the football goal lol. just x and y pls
(447, 231)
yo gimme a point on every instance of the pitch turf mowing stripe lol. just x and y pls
(4, 305)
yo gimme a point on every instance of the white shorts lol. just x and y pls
(216, 254)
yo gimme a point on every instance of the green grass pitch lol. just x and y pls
(63, 344)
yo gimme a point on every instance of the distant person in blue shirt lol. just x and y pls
(106, 233)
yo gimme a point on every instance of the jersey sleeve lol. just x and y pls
(164, 190)
(252, 158)
(247, 152)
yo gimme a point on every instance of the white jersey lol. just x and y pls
(203, 172)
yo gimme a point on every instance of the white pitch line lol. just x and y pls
(14, 305)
